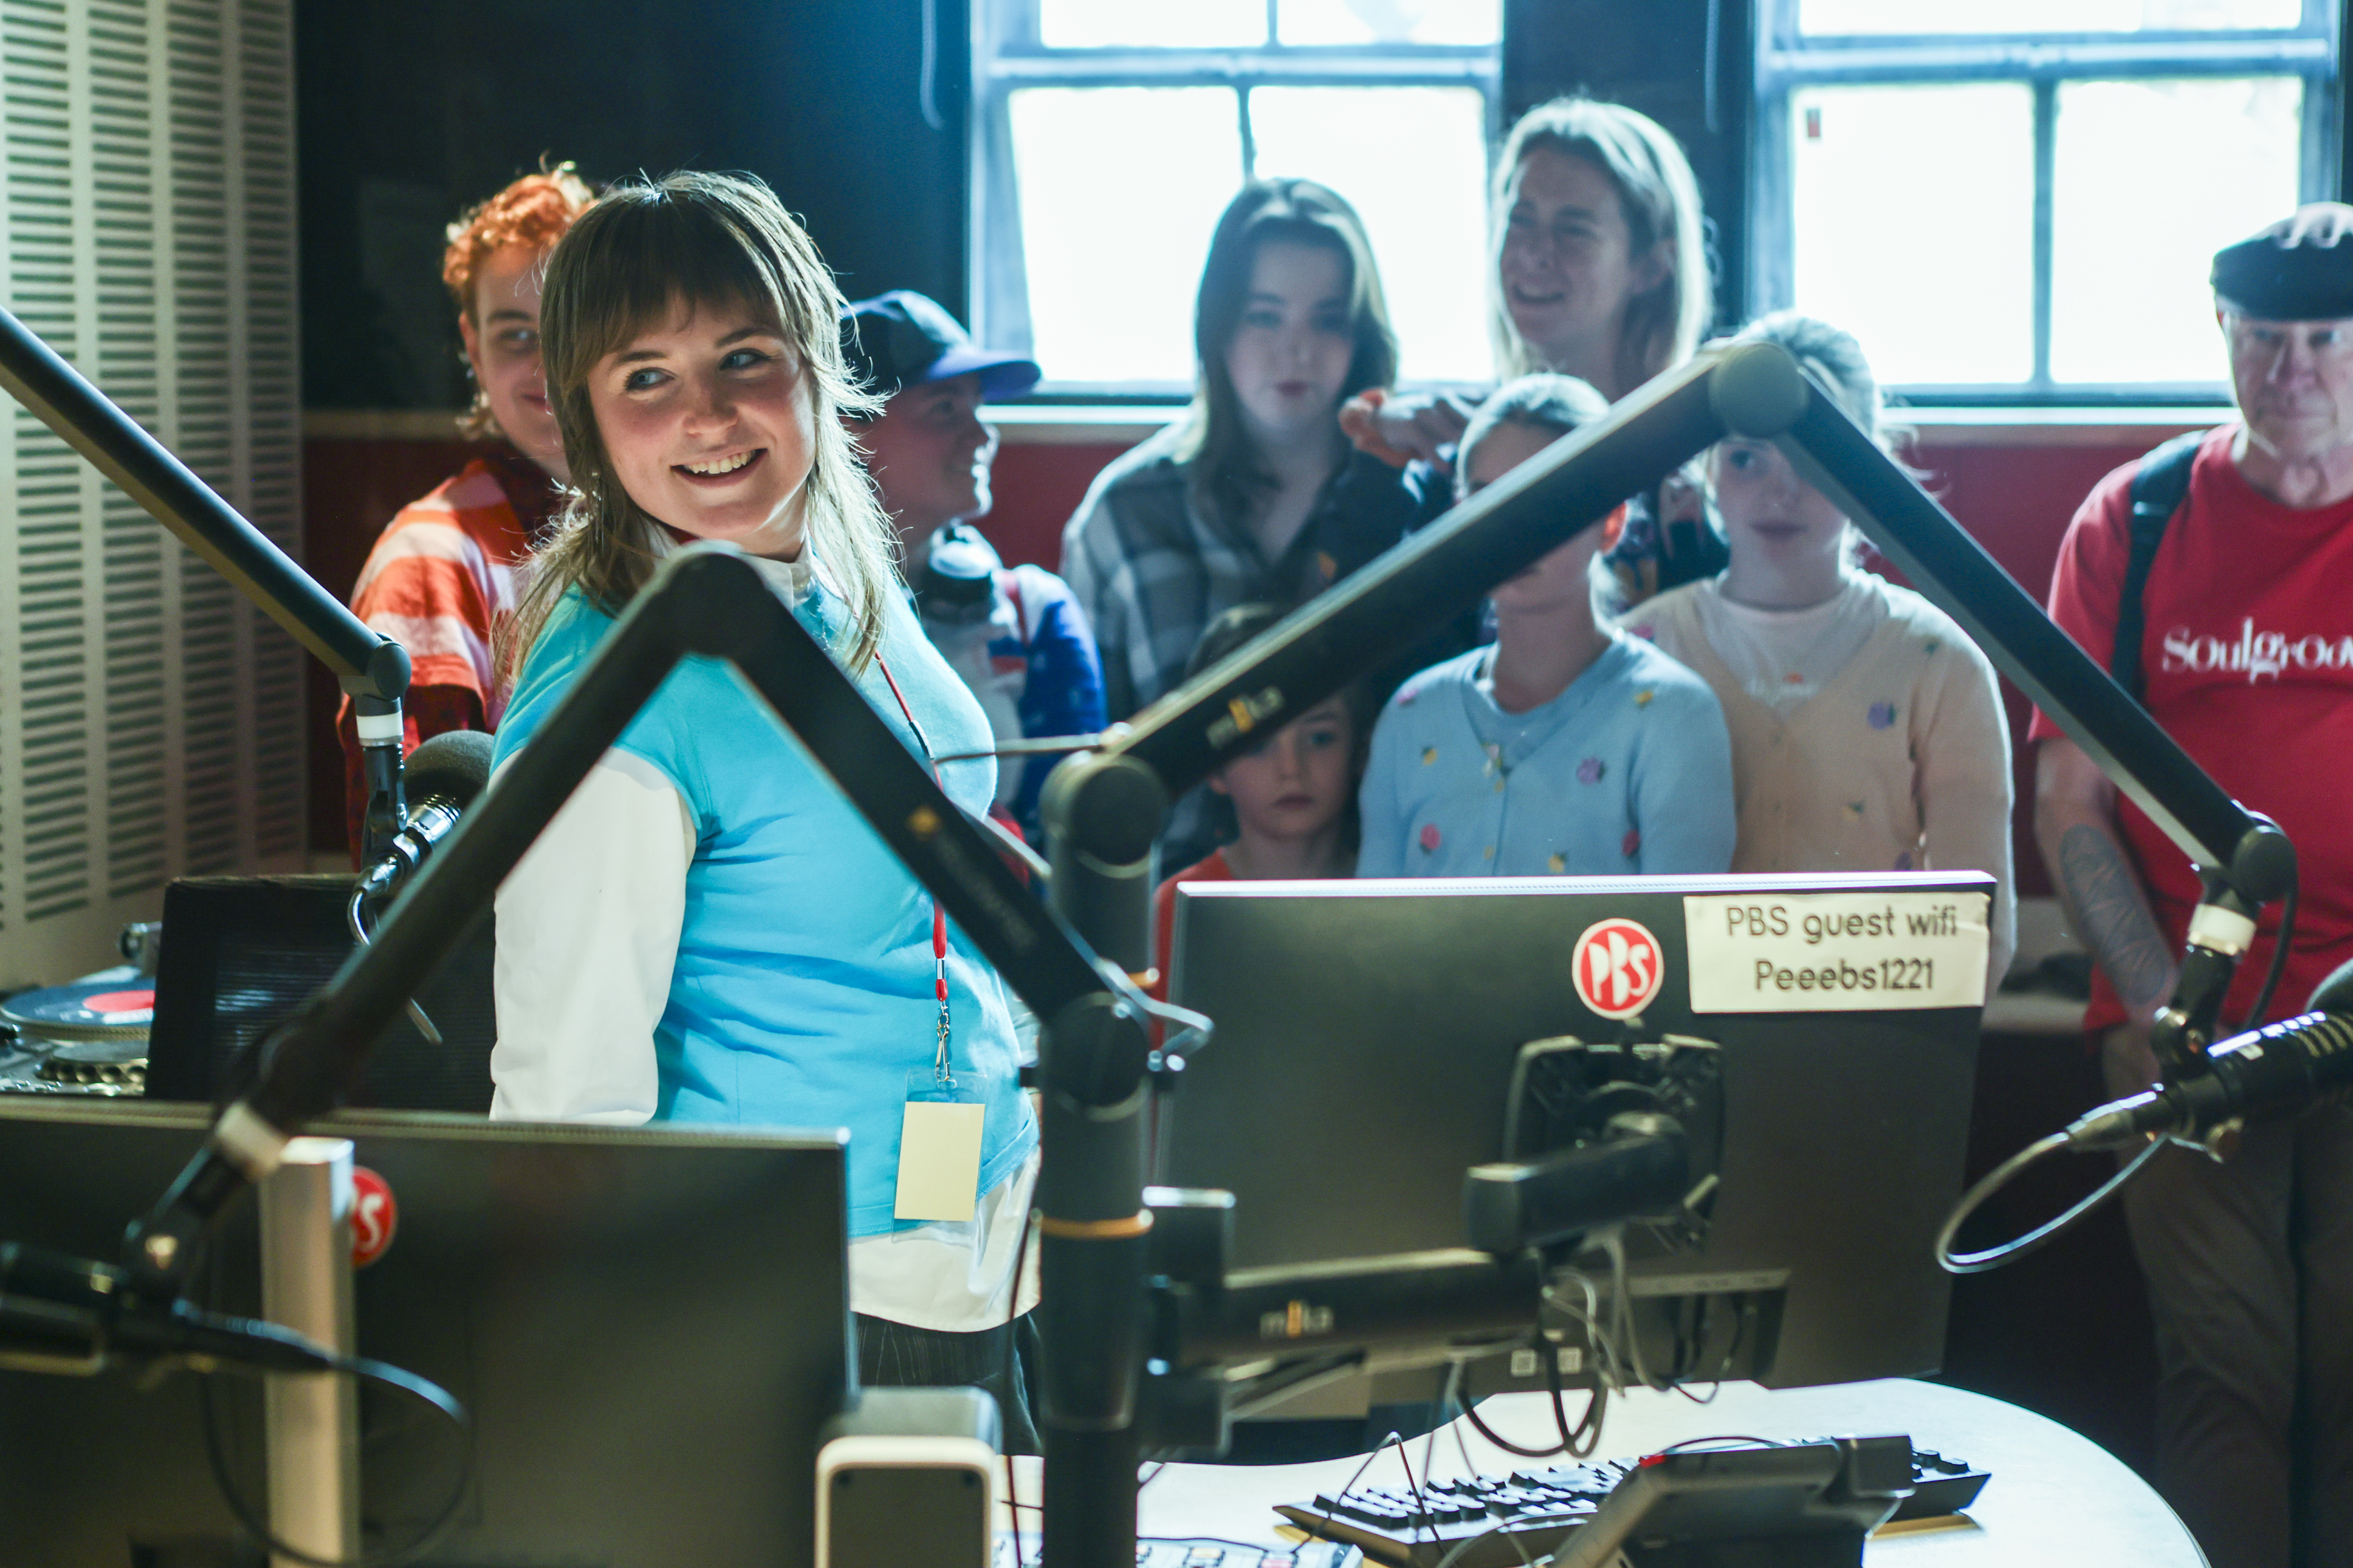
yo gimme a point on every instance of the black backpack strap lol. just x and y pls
(2158, 488)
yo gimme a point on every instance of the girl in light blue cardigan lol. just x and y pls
(1565, 748)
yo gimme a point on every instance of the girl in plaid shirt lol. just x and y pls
(1256, 494)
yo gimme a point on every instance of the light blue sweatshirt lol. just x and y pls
(1627, 771)
(803, 991)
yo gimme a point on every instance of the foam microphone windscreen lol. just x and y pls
(456, 765)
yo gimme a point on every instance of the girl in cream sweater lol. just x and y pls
(1867, 732)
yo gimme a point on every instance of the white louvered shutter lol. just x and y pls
(151, 723)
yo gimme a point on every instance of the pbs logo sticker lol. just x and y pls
(1618, 967)
(375, 1217)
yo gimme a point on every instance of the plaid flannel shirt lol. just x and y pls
(1151, 572)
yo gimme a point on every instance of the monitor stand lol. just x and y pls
(311, 1419)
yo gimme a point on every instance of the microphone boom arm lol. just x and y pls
(2244, 861)
(708, 601)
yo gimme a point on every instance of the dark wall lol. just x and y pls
(410, 110)
(1654, 55)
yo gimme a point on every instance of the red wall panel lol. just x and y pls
(2017, 501)
(2014, 495)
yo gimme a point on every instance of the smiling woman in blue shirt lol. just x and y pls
(708, 931)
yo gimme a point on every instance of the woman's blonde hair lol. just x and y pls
(1656, 191)
(630, 261)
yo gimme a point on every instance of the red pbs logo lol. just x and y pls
(1618, 967)
(375, 1217)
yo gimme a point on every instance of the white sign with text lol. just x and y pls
(1836, 952)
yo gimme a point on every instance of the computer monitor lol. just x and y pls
(1366, 1035)
(648, 1328)
(240, 953)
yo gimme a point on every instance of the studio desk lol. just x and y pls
(2056, 1499)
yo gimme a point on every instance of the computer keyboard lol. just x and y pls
(1511, 1517)
(1206, 1553)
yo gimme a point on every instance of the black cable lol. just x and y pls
(1706, 1315)
(1725, 1437)
(1999, 1177)
(1423, 1520)
(1260, 1547)
(1468, 1542)
(2261, 1009)
(1193, 1033)
(1011, 843)
(1471, 1414)
(1013, 1371)
(1588, 1424)
(1341, 1494)
(429, 1393)
(355, 920)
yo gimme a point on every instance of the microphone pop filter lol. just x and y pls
(456, 765)
(2334, 994)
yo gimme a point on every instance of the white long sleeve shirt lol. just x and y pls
(588, 927)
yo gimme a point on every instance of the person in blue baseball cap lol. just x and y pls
(1015, 635)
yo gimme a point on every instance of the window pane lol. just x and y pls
(2153, 177)
(1912, 210)
(1412, 161)
(1151, 24)
(1391, 21)
(1933, 17)
(1120, 188)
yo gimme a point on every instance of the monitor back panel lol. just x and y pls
(242, 953)
(648, 1328)
(1366, 1036)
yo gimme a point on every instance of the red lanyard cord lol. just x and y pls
(939, 915)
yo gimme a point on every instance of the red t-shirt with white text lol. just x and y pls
(2247, 652)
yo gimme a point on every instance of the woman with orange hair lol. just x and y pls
(442, 572)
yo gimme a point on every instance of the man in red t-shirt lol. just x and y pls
(2247, 653)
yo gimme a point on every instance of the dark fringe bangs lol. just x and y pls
(657, 252)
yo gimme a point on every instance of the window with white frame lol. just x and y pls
(2022, 197)
(1110, 133)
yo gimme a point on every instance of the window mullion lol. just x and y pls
(1772, 233)
(1249, 142)
(2046, 162)
(2320, 160)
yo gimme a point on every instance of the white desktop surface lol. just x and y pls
(2057, 1499)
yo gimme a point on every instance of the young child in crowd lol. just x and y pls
(1293, 798)
(1566, 748)
(1255, 495)
(1867, 732)
(442, 573)
(1015, 634)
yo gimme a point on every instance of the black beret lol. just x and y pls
(2275, 282)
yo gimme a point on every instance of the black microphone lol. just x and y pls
(444, 776)
(72, 1315)
(2265, 1075)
